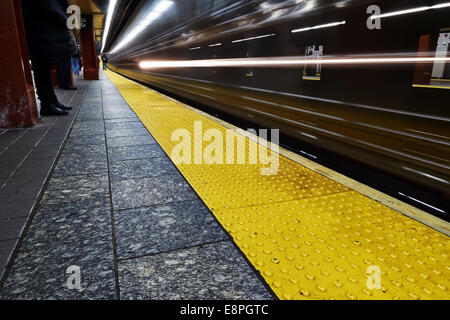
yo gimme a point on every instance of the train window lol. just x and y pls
(436, 75)
(313, 71)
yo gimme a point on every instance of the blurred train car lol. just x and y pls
(386, 124)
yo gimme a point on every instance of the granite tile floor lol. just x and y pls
(27, 156)
(117, 210)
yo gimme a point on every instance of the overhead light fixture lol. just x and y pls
(109, 15)
(413, 10)
(254, 38)
(328, 25)
(280, 62)
(154, 14)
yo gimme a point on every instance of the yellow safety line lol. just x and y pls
(309, 236)
(430, 86)
(393, 203)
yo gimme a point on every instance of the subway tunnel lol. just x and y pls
(226, 150)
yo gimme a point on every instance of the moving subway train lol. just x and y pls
(362, 86)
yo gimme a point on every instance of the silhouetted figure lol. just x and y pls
(76, 64)
(105, 61)
(48, 40)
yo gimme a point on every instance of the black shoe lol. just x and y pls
(64, 107)
(53, 110)
(69, 88)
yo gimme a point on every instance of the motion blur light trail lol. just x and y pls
(276, 62)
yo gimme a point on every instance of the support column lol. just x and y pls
(88, 49)
(17, 99)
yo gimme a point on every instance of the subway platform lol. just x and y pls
(105, 197)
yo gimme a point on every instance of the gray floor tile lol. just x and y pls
(81, 140)
(6, 174)
(89, 188)
(87, 125)
(144, 168)
(117, 115)
(89, 131)
(39, 270)
(10, 136)
(6, 248)
(117, 108)
(71, 220)
(17, 209)
(62, 123)
(111, 126)
(146, 192)
(136, 152)
(11, 228)
(7, 167)
(127, 133)
(12, 160)
(28, 180)
(108, 122)
(75, 165)
(215, 271)
(32, 137)
(24, 172)
(40, 165)
(130, 141)
(73, 148)
(46, 151)
(88, 116)
(17, 194)
(166, 227)
(2, 181)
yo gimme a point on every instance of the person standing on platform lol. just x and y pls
(76, 62)
(105, 62)
(48, 40)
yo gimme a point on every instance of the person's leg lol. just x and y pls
(64, 72)
(77, 63)
(43, 81)
(44, 87)
(74, 68)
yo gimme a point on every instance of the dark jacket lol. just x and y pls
(46, 28)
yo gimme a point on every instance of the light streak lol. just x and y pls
(112, 6)
(413, 10)
(280, 62)
(328, 25)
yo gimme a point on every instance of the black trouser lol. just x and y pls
(64, 67)
(43, 81)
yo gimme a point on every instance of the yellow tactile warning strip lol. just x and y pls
(309, 236)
